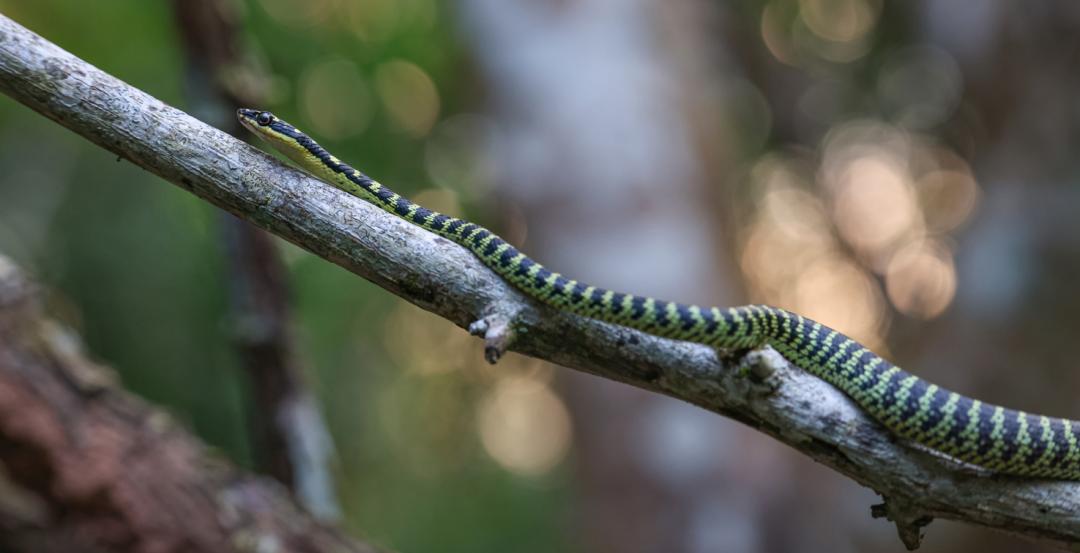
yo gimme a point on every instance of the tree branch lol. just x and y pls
(431, 272)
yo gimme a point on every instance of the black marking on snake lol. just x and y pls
(937, 409)
(361, 179)
(1061, 442)
(558, 288)
(541, 278)
(685, 316)
(454, 226)
(493, 245)
(845, 358)
(911, 404)
(480, 235)
(864, 359)
(891, 389)
(385, 195)
(660, 310)
(523, 267)
(1038, 444)
(1009, 434)
(986, 428)
(961, 420)
(829, 351)
(507, 256)
(596, 301)
(710, 321)
(577, 293)
(464, 231)
(420, 215)
(617, 300)
(438, 222)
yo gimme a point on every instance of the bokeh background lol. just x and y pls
(902, 171)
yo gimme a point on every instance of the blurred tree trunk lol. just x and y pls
(1017, 72)
(1011, 336)
(289, 437)
(622, 122)
(603, 149)
(89, 467)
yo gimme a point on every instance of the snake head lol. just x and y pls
(282, 136)
(252, 118)
(268, 127)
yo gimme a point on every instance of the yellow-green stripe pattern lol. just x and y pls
(1000, 439)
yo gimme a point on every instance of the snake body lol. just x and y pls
(994, 437)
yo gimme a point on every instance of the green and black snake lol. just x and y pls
(1000, 439)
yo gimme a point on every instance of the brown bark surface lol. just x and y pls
(101, 470)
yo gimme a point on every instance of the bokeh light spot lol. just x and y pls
(796, 212)
(948, 196)
(776, 33)
(874, 205)
(373, 20)
(790, 231)
(840, 20)
(840, 294)
(409, 95)
(336, 98)
(446, 347)
(300, 14)
(921, 279)
(457, 154)
(524, 426)
(920, 86)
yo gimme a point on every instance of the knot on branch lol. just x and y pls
(498, 333)
(757, 366)
(907, 517)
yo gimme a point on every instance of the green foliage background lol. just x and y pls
(136, 265)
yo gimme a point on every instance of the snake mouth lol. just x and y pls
(247, 118)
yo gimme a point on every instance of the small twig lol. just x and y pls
(498, 333)
(908, 519)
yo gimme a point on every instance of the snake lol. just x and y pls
(1000, 439)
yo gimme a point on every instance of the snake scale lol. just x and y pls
(999, 439)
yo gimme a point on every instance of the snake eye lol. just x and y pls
(264, 118)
